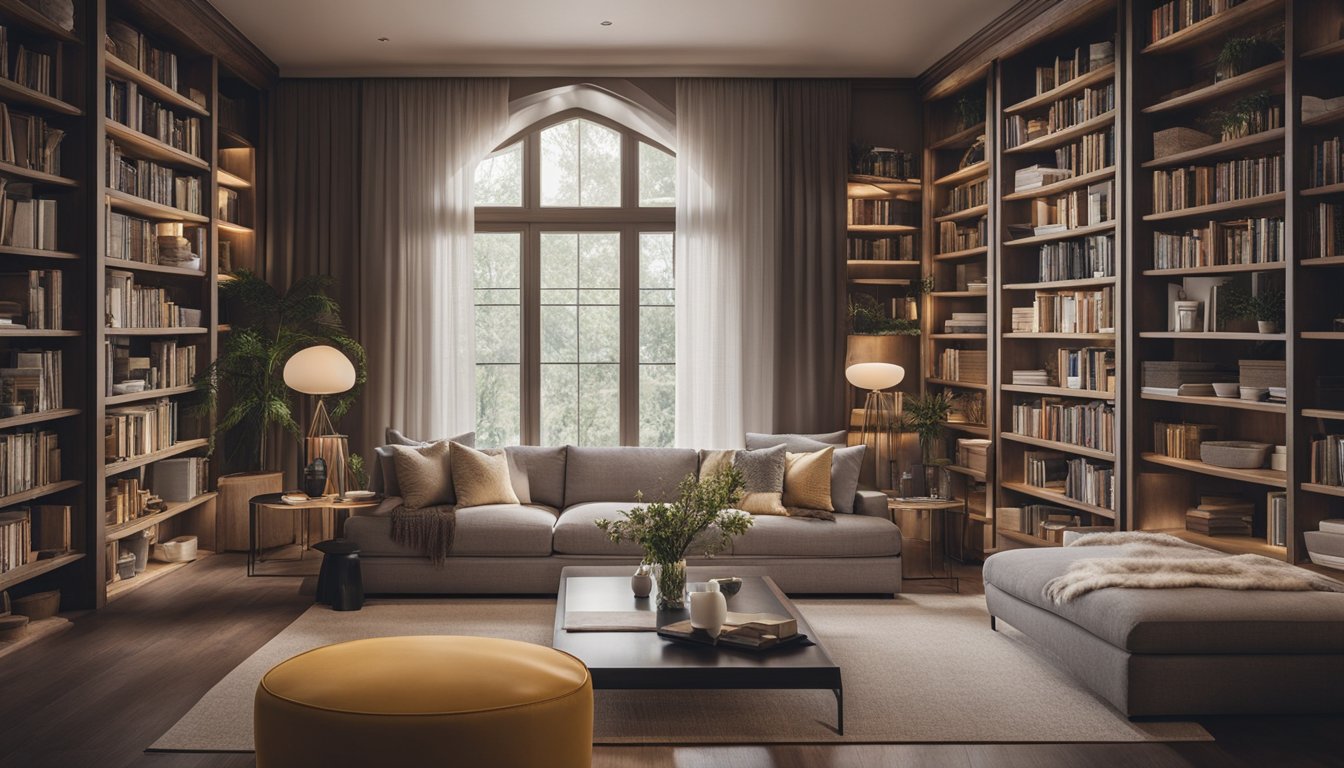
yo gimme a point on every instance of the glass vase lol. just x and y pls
(671, 578)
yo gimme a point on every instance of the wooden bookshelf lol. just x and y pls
(1229, 148)
(1269, 74)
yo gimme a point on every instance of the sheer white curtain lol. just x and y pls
(726, 260)
(420, 143)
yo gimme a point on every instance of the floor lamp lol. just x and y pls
(880, 412)
(322, 371)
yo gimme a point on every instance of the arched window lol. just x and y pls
(574, 287)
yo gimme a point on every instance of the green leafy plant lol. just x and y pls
(666, 531)
(868, 318)
(268, 328)
(925, 417)
(1242, 54)
(359, 474)
(1268, 306)
(970, 110)
(1243, 117)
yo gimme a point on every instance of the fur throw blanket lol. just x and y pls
(1159, 561)
(427, 530)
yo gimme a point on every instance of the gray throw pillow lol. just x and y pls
(762, 480)
(796, 443)
(384, 477)
(846, 463)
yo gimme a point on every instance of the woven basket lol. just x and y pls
(1173, 140)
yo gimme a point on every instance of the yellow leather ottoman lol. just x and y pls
(426, 701)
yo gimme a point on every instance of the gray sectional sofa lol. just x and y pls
(521, 548)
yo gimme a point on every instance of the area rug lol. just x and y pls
(918, 669)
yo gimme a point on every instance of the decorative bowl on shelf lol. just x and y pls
(1226, 389)
(1254, 393)
(359, 495)
(1234, 454)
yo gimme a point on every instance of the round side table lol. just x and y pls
(272, 502)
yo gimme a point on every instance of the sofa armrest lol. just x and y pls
(872, 504)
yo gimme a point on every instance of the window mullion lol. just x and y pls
(531, 341)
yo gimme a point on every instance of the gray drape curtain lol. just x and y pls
(812, 139)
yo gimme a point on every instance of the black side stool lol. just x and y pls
(338, 583)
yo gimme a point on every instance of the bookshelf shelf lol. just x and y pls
(37, 178)
(1058, 499)
(38, 492)
(1218, 269)
(884, 263)
(979, 430)
(121, 70)
(868, 187)
(974, 474)
(972, 171)
(152, 394)
(1245, 81)
(1093, 229)
(1213, 209)
(154, 572)
(1063, 136)
(1231, 147)
(38, 253)
(40, 417)
(1328, 189)
(231, 139)
(1212, 336)
(1325, 118)
(1324, 261)
(231, 181)
(1055, 445)
(1323, 335)
(1325, 490)
(1323, 413)
(181, 331)
(118, 532)
(16, 576)
(1026, 538)
(21, 14)
(969, 253)
(1032, 389)
(181, 447)
(121, 201)
(1267, 477)
(959, 336)
(1237, 545)
(1080, 283)
(147, 147)
(973, 212)
(1325, 51)
(11, 91)
(1097, 76)
(162, 269)
(959, 294)
(1064, 336)
(38, 333)
(956, 384)
(1235, 403)
(866, 228)
(894, 281)
(1214, 26)
(961, 139)
(1075, 182)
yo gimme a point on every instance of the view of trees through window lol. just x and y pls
(575, 292)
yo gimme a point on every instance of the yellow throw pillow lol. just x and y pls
(479, 478)
(423, 474)
(807, 480)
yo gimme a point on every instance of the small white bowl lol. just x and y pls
(1226, 389)
(359, 495)
(1254, 393)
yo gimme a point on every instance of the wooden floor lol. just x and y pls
(98, 694)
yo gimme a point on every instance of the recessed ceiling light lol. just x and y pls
(606, 23)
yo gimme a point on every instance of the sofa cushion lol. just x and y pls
(504, 530)
(617, 474)
(481, 479)
(762, 480)
(807, 483)
(545, 470)
(846, 462)
(576, 532)
(384, 479)
(423, 475)
(845, 536)
(1173, 621)
(796, 443)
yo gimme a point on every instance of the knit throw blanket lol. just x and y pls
(1159, 561)
(428, 530)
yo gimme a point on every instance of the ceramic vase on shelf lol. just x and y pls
(709, 608)
(641, 584)
(671, 578)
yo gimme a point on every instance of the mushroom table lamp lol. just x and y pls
(880, 411)
(320, 371)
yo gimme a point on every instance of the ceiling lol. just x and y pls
(760, 38)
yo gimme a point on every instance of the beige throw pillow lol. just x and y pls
(711, 461)
(807, 481)
(423, 474)
(479, 478)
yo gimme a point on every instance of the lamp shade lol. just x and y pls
(875, 376)
(320, 370)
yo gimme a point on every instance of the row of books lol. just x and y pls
(969, 195)
(1073, 209)
(234, 114)
(954, 236)
(152, 181)
(1181, 441)
(29, 68)
(228, 205)
(1264, 118)
(967, 322)
(139, 306)
(1325, 229)
(128, 500)
(967, 365)
(887, 162)
(168, 364)
(1327, 162)
(1077, 259)
(135, 110)
(860, 212)
(25, 531)
(1079, 479)
(1181, 188)
(131, 46)
(28, 141)
(1088, 311)
(34, 380)
(31, 299)
(1037, 176)
(1093, 152)
(131, 238)
(1246, 241)
(1087, 424)
(881, 248)
(1064, 113)
(1076, 63)
(28, 460)
(1327, 459)
(139, 430)
(1170, 18)
(173, 480)
(1090, 368)
(26, 221)
(1221, 516)
(1040, 520)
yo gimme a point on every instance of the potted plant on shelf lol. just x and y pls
(925, 416)
(1240, 55)
(702, 516)
(1265, 307)
(1244, 117)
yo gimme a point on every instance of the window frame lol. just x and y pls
(531, 219)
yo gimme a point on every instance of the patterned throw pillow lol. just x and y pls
(423, 474)
(479, 478)
(762, 480)
(807, 483)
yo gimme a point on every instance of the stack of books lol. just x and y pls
(1037, 176)
(1220, 516)
(1035, 377)
(966, 322)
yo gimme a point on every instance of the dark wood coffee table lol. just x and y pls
(643, 660)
